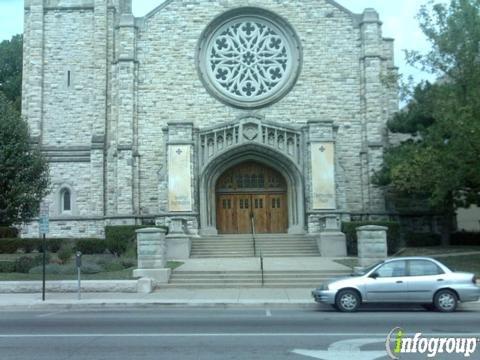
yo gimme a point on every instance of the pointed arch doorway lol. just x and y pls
(251, 196)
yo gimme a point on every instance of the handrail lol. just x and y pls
(252, 221)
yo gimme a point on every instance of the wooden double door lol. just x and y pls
(263, 212)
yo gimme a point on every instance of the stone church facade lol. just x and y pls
(231, 115)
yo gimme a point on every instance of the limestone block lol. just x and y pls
(151, 248)
(372, 244)
(144, 285)
(158, 276)
(332, 244)
(178, 247)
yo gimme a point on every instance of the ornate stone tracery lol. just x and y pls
(249, 57)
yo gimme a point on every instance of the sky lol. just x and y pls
(398, 19)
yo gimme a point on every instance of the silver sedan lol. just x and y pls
(420, 280)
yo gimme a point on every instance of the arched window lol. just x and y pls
(66, 200)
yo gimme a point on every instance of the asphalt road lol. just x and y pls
(214, 333)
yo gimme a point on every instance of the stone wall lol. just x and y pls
(100, 88)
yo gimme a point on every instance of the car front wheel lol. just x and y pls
(348, 301)
(445, 301)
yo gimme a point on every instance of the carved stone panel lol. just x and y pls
(179, 178)
(323, 175)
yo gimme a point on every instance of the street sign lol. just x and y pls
(43, 218)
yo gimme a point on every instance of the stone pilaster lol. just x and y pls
(33, 68)
(97, 156)
(373, 95)
(126, 104)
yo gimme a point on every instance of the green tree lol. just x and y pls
(441, 160)
(11, 65)
(24, 178)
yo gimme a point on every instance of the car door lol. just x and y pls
(424, 278)
(389, 283)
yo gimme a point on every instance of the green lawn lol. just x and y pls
(125, 274)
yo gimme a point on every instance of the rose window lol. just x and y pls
(250, 60)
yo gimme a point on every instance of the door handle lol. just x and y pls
(399, 282)
(440, 280)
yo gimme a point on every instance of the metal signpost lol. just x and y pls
(43, 229)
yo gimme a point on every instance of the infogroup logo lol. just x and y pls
(397, 343)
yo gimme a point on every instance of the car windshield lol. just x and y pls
(363, 271)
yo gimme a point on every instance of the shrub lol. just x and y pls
(465, 238)
(49, 269)
(65, 253)
(114, 265)
(120, 238)
(91, 268)
(423, 239)
(9, 246)
(12, 245)
(7, 266)
(8, 232)
(128, 262)
(393, 235)
(24, 263)
(91, 246)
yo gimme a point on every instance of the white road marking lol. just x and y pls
(10, 336)
(49, 314)
(345, 349)
(268, 313)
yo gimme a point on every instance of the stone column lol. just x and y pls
(152, 255)
(125, 67)
(374, 123)
(331, 242)
(372, 244)
(178, 242)
(32, 106)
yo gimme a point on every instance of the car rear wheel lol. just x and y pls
(445, 301)
(348, 301)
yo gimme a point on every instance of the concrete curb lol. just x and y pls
(69, 286)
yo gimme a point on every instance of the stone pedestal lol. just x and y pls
(178, 242)
(331, 241)
(332, 244)
(372, 244)
(152, 255)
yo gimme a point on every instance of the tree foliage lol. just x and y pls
(442, 156)
(11, 64)
(24, 177)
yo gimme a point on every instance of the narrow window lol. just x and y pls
(66, 200)
(68, 78)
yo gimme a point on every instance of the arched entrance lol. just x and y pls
(251, 197)
(264, 156)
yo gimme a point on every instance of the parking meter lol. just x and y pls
(78, 259)
(78, 262)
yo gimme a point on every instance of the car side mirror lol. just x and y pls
(374, 275)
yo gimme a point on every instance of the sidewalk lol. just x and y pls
(167, 297)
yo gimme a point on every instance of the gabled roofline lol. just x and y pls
(355, 16)
(157, 9)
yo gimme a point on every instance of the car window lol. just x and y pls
(392, 269)
(424, 268)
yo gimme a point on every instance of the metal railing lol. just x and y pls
(252, 220)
